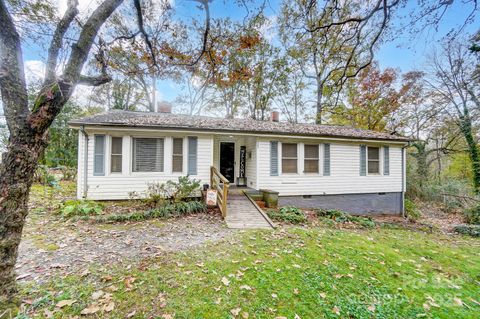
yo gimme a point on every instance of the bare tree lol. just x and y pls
(28, 125)
(455, 83)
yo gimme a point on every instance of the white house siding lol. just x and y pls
(120, 185)
(345, 170)
(251, 162)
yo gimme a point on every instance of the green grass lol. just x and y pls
(311, 272)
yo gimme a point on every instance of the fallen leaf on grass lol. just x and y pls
(131, 314)
(371, 308)
(97, 294)
(296, 317)
(225, 281)
(63, 303)
(295, 291)
(109, 307)
(235, 311)
(90, 310)
(458, 301)
(323, 295)
(274, 296)
(336, 311)
(246, 287)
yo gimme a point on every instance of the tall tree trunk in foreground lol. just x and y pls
(29, 128)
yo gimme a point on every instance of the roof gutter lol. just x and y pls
(85, 161)
(404, 178)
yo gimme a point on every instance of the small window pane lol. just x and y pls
(289, 166)
(311, 166)
(289, 150)
(373, 153)
(311, 151)
(177, 158)
(373, 167)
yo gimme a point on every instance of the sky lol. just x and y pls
(402, 52)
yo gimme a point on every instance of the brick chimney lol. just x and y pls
(164, 107)
(275, 116)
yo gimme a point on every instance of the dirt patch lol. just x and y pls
(52, 246)
(434, 217)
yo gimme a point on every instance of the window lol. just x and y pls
(373, 160)
(311, 159)
(289, 158)
(148, 154)
(177, 156)
(116, 156)
(99, 155)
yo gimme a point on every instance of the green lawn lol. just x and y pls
(292, 273)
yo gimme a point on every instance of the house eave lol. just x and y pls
(113, 126)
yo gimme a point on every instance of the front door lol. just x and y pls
(227, 160)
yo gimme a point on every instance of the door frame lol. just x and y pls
(234, 157)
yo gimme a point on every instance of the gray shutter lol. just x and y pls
(386, 160)
(363, 160)
(192, 155)
(326, 159)
(273, 158)
(99, 155)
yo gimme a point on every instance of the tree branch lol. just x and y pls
(94, 80)
(12, 76)
(56, 43)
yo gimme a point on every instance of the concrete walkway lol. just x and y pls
(243, 214)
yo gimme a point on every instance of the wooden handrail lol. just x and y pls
(222, 191)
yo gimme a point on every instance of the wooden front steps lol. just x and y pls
(243, 213)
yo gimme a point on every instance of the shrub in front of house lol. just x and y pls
(471, 230)
(411, 211)
(288, 214)
(342, 217)
(157, 194)
(472, 215)
(71, 208)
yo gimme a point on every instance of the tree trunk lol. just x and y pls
(422, 166)
(318, 118)
(473, 152)
(20, 160)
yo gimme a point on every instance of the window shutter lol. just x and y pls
(326, 159)
(273, 158)
(192, 155)
(363, 160)
(148, 154)
(386, 160)
(99, 156)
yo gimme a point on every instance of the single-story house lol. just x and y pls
(311, 166)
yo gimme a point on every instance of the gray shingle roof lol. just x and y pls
(204, 123)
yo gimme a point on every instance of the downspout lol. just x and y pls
(85, 162)
(404, 173)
